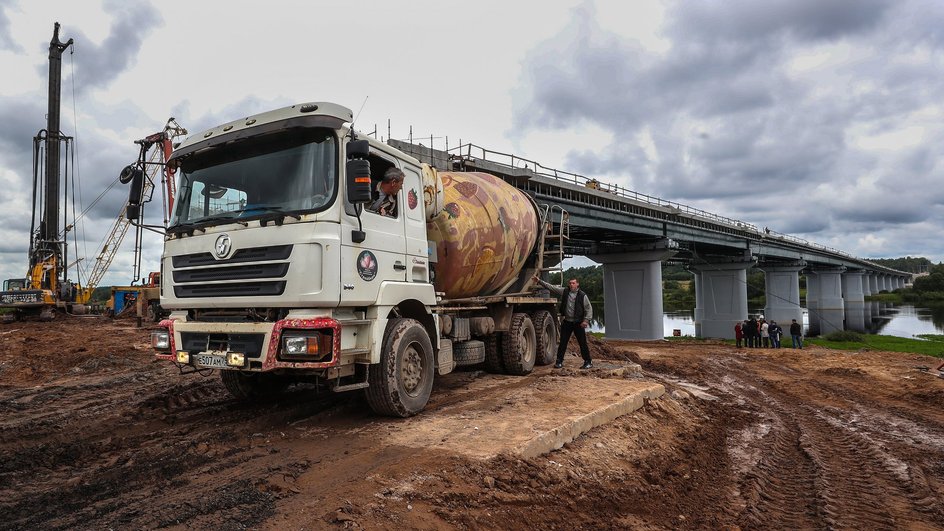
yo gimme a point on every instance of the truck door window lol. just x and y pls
(378, 166)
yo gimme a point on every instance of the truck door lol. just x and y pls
(417, 244)
(381, 257)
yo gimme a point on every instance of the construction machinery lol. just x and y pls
(47, 286)
(47, 283)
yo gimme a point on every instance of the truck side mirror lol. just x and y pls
(135, 176)
(358, 172)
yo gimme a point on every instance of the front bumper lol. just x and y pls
(260, 343)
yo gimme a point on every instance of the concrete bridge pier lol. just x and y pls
(830, 309)
(873, 283)
(782, 282)
(866, 284)
(853, 298)
(720, 297)
(632, 289)
(812, 304)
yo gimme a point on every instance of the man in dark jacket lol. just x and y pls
(575, 308)
(751, 333)
(775, 332)
(796, 333)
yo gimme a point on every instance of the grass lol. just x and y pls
(934, 347)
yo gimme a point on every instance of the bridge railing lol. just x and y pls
(470, 152)
(465, 152)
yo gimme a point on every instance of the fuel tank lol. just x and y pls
(484, 232)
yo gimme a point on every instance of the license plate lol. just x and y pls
(214, 361)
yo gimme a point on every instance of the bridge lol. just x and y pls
(632, 234)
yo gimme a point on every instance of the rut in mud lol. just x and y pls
(94, 433)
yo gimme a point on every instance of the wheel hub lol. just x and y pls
(411, 369)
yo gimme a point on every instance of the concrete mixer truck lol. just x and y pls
(276, 271)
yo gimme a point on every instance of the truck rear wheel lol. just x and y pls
(518, 345)
(253, 385)
(545, 327)
(401, 384)
(493, 354)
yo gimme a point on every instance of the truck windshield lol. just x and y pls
(285, 172)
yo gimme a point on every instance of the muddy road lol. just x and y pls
(95, 434)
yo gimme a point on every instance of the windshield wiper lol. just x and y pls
(266, 208)
(182, 227)
(203, 222)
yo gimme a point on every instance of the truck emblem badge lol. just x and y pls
(412, 199)
(223, 246)
(367, 265)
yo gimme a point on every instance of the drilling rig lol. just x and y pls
(47, 285)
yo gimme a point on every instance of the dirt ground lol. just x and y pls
(96, 434)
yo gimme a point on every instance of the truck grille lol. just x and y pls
(254, 254)
(193, 279)
(232, 273)
(238, 289)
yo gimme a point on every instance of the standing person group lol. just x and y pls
(757, 334)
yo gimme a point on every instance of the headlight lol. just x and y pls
(306, 345)
(160, 340)
(297, 346)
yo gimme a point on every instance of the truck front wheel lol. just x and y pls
(519, 345)
(401, 383)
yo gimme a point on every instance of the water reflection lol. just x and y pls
(872, 317)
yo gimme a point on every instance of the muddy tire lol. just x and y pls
(250, 386)
(401, 383)
(547, 333)
(493, 354)
(519, 345)
(467, 353)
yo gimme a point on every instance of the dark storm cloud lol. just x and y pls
(97, 65)
(748, 20)
(6, 40)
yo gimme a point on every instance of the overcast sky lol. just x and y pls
(822, 119)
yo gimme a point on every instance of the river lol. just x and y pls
(889, 319)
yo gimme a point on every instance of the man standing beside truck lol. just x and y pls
(576, 311)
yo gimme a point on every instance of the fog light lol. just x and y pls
(160, 340)
(234, 359)
(183, 357)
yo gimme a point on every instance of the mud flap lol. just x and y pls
(444, 361)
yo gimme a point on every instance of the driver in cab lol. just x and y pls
(387, 190)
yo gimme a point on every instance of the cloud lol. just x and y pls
(97, 66)
(792, 114)
(6, 39)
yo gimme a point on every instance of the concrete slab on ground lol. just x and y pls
(527, 416)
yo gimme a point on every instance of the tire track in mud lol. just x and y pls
(114, 446)
(816, 468)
